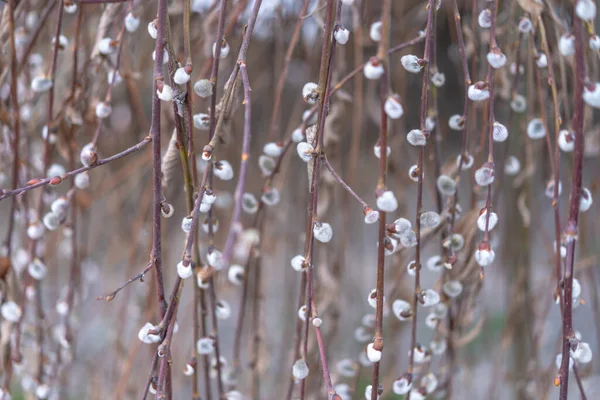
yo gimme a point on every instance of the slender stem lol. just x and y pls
(572, 223)
(382, 53)
(419, 206)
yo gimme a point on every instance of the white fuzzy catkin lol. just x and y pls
(585, 9)
(416, 137)
(300, 370)
(373, 69)
(373, 354)
(411, 63)
(131, 23)
(482, 220)
(566, 44)
(203, 88)
(341, 35)
(387, 201)
(181, 77)
(393, 108)
(323, 232)
(591, 94)
(536, 129)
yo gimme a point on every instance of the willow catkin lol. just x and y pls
(170, 161)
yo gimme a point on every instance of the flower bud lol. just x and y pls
(205, 346)
(11, 311)
(222, 309)
(452, 289)
(416, 137)
(215, 259)
(322, 231)
(566, 44)
(496, 58)
(181, 77)
(186, 224)
(591, 94)
(499, 132)
(402, 309)
(412, 63)
(479, 91)
(341, 35)
(375, 31)
(165, 93)
(51, 221)
(147, 338)
(446, 185)
(484, 19)
(377, 150)
(484, 255)
(482, 220)
(271, 197)
(224, 49)
(512, 166)
(249, 203)
(595, 42)
(184, 269)
(484, 176)
(223, 170)
(430, 219)
(106, 46)
(235, 274)
(393, 108)
(203, 88)
(305, 151)
(310, 93)
(387, 202)
(586, 200)
(371, 216)
(373, 354)
(373, 69)
(300, 370)
(585, 10)
(536, 129)
(35, 230)
(403, 384)
(41, 84)
(131, 23)
(438, 79)
(525, 25)
(297, 135)
(429, 297)
(103, 110)
(152, 29)
(165, 56)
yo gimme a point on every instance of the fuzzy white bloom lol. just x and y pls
(63, 42)
(48, 135)
(586, 200)
(429, 123)
(317, 322)
(525, 25)
(271, 197)
(305, 151)
(535, 129)
(43, 391)
(297, 135)
(582, 353)
(203, 88)
(341, 35)
(215, 259)
(446, 185)
(372, 298)
(273, 149)
(373, 69)
(566, 140)
(413, 173)
(106, 46)
(456, 122)
(11, 311)
(375, 31)
(166, 94)
(377, 150)
(181, 77)
(542, 61)
(478, 91)
(35, 230)
(420, 354)
(302, 313)
(205, 346)
(224, 50)
(300, 370)
(373, 354)
(371, 216)
(41, 84)
(518, 103)
(298, 263)
(309, 92)
(402, 385)
(165, 56)
(322, 231)
(223, 170)
(387, 201)
(416, 137)
(186, 224)
(201, 121)
(467, 161)
(452, 289)
(595, 42)
(435, 264)
(37, 269)
(482, 220)
(393, 108)
(499, 132)
(249, 203)
(401, 309)
(411, 63)
(484, 176)
(438, 79)
(586, 10)
(189, 370)
(438, 347)
(484, 256)
(485, 19)
(402, 226)
(51, 221)
(566, 44)
(266, 165)
(131, 23)
(549, 192)
(591, 94)
(167, 210)
(147, 338)
(103, 109)
(184, 271)
(222, 309)
(70, 9)
(558, 362)
(152, 30)
(430, 297)
(430, 219)
(512, 166)
(496, 58)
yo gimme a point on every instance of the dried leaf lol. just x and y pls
(170, 161)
